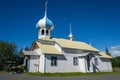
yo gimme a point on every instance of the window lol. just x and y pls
(47, 32)
(53, 61)
(75, 61)
(42, 33)
(96, 61)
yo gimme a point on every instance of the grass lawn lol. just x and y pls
(71, 74)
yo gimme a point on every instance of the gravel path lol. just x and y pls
(7, 76)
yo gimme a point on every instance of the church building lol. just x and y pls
(50, 55)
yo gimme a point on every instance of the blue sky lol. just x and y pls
(95, 21)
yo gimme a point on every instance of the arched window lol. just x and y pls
(47, 32)
(42, 32)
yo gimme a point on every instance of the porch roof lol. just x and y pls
(83, 54)
(104, 55)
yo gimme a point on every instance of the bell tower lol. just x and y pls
(45, 26)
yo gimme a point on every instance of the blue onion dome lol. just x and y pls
(45, 23)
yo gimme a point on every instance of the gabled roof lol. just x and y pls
(64, 43)
(48, 49)
(74, 44)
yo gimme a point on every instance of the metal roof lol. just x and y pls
(48, 49)
(74, 44)
(104, 55)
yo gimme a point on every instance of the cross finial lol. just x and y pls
(90, 42)
(46, 3)
(70, 28)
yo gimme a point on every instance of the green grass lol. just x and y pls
(71, 74)
(115, 71)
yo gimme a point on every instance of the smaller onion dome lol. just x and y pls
(45, 23)
(70, 35)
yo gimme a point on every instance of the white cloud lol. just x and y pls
(115, 50)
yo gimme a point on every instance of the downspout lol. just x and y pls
(38, 63)
(44, 63)
(28, 64)
(85, 65)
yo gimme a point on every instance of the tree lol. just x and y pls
(107, 51)
(116, 61)
(21, 55)
(7, 52)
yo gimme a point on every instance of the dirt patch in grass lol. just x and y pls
(116, 69)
